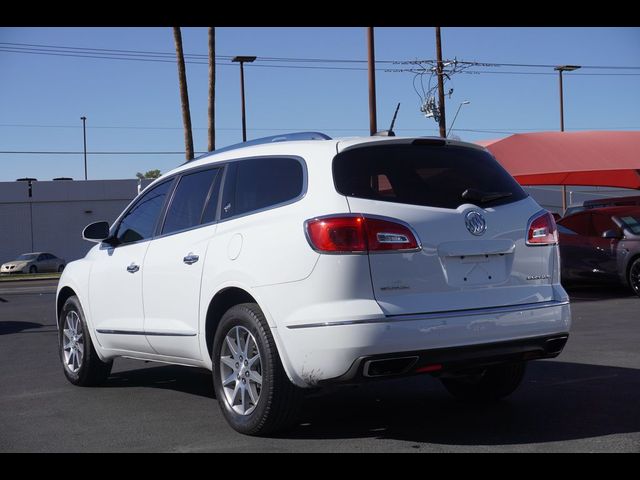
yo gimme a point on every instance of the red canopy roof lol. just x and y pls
(604, 158)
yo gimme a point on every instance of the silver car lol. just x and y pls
(34, 262)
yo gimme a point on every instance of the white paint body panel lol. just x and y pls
(267, 255)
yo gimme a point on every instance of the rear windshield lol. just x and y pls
(429, 175)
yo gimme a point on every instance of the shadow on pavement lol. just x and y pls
(558, 401)
(9, 327)
(594, 292)
(193, 381)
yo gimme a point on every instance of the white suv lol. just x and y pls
(294, 264)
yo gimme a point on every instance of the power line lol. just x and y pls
(167, 57)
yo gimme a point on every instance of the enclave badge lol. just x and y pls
(475, 223)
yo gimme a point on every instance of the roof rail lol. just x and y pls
(274, 138)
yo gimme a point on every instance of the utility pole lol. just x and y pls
(560, 69)
(443, 122)
(184, 95)
(84, 134)
(373, 123)
(212, 89)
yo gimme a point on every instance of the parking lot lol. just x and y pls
(585, 400)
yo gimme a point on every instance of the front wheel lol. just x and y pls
(490, 384)
(634, 276)
(33, 269)
(80, 362)
(252, 388)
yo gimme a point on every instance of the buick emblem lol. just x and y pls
(475, 223)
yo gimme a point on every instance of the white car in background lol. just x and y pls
(287, 265)
(35, 262)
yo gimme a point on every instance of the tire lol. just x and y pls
(633, 276)
(33, 269)
(85, 368)
(490, 385)
(251, 407)
(60, 268)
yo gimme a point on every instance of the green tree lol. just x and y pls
(150, 174)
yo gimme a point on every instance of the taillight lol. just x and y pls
(542, 229)
(357, 233)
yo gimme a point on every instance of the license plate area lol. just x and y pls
(474, 270)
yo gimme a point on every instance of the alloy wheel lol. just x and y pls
(241, 370)
(73, 342)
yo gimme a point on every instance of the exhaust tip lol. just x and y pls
(555, 345)
(389, 366)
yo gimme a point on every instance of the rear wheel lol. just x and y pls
(634, 276)
(252, 388)
(490, 384)
(80, 362)
(60, 268)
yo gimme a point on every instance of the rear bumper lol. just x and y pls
(450, 360)
(340, 351)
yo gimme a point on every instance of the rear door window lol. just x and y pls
(428, 175)
(188, 201)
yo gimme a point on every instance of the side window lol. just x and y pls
(264, 182)
(189, 200)
(41, 257)
(602, 223)
(579, 223)
(140, 221)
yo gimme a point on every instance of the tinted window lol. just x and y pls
(602, 223)
(263, 182)
(632, 222)
(42, 257)
(139, 223)
(579, 223)
(188, 200)
(429, 175)
(565, 230)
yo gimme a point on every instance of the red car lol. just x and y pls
(601, 244)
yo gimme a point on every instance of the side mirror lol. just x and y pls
(611, 234)
(96, 232)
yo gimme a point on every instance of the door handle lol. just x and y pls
(133, 268)
(191, 259)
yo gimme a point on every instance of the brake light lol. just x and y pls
(359, 234)
(542, 229)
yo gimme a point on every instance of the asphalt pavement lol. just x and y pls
(586, 400)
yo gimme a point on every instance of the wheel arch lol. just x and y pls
(627, 269)
(219, 304)
(63, 295)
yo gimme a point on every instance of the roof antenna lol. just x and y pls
(389, 133)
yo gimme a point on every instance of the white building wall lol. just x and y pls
(53, 218)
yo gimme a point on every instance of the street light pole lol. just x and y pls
(242, 60)
(560, 69)
(466, 102)
(84, 134)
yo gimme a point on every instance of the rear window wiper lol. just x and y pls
(482, 196)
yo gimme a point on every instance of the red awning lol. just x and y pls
(603, 158)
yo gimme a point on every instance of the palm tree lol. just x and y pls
(212, 89)
(184, 95)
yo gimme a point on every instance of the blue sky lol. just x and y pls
(135, 105)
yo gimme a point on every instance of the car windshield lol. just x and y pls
(632, 223)
(27, 256)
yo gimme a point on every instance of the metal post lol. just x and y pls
(443, 123)
(373, 124)
(244, 117)
(466, 102)
(84, 134)
(560, 69)
(242, 60)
